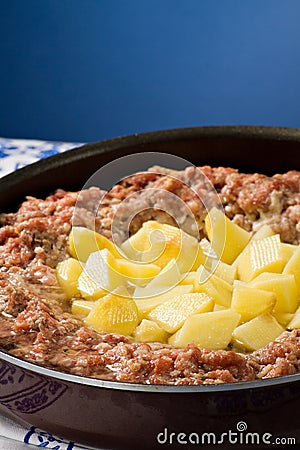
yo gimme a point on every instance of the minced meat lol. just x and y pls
(35, 320)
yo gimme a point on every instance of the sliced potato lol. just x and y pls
(258, 332)
(283, 318)
(212, 330)
(283, 286)
(219, 307)
(188, 278)
(68, 272)
(159, 243)
(292, 267)
(149, 331)
(100, 275)
(176, 244)
(295, 320)
(88, 288)
(226, 237)
(226, 272)
(114, 313)
(82, 307)
(215, 287)
(287, 251)
(171, 314)
(83, 242)
(169, 276)
(263, 255)
(145, 303)
(250, 302)
(263, 232)
(136, 272)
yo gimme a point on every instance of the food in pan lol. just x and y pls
(199, 306)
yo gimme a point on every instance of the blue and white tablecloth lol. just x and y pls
(17, 153)
(14, 154)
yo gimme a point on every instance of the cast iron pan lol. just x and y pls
(111, 415)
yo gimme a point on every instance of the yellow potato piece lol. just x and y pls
(138, 273)
(263, 232)
(283, 286)
(114, 313)
(283, 318)
(83, 242)
(263, 255)
(88, 288)
(226, 237)
(169, 242)
(219, 307)
(138, 243)
(211, 330)
(159, 243)
(258, 332)
(188, 278)
(215, 287)
(171, 314)
(145, 303)
(226, 272)
(99, 275)
(149, 331)
(168, 277)
(68, 272)
(295, 320)
(250, 302)
(82, 307)
(292, 267)
(208, 249)
(287, 251)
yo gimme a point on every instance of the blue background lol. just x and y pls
(84, 70)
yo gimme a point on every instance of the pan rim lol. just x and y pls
(255, 132)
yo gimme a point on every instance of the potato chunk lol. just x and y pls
(212, 330)
(283, 318)
(83, 242)
(294, 321)
(250, 302)
(100, 275)
(68, 272)
(136, 272)
(287, 251)
(171, 314)
(292, 267)
(169, 276)
(146, 303)
(215, 287)
(226, 272)
(283, 286)
(263, 232)
(149, 331)
(226, 237)
(159, 243)
(258, 332)
(82, 307)
(262, 255)
(114, 313)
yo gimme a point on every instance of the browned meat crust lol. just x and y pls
(35, 323)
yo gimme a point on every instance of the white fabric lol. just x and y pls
(14, 436)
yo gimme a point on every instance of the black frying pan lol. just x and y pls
(115, 415)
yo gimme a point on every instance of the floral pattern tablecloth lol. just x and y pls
(17, 153)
